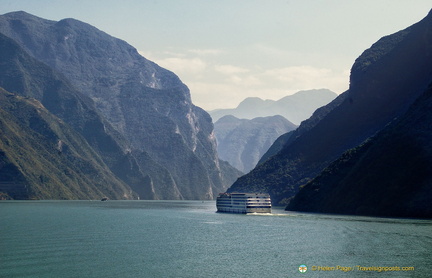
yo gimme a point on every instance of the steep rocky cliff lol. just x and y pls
(150, 109)
(25, 76)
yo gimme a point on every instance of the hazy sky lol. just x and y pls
(227, 50)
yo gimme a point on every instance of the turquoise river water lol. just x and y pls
(189, 239)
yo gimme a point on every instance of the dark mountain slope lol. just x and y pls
(242, 142)
(42, 158)
(385, 80)
(146, 104)
(389, 175)
(305, 126)
(22, 74)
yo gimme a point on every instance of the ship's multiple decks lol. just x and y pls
(243, 203)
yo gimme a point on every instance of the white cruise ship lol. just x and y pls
(243, 203)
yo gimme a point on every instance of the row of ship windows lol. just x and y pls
(245, 197)
(252, 206)
(244, 201)
(242, 204)
(249, 198)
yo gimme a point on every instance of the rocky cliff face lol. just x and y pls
(385, 80)
(243, 142)
(169, 138)
(25, 76)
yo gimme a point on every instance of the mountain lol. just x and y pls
(58, 162)
(305, 126)
(242, 142)
(24, 75)
(167, 143)
(388, 175)
(385, 80)
(295, 108)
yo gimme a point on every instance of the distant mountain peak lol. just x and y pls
(19, 14)
(295, 108)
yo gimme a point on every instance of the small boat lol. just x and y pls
(104, 199)
(243, 203)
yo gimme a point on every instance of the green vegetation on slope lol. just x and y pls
(52, 161)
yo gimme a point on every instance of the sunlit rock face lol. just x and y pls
(168, 136)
